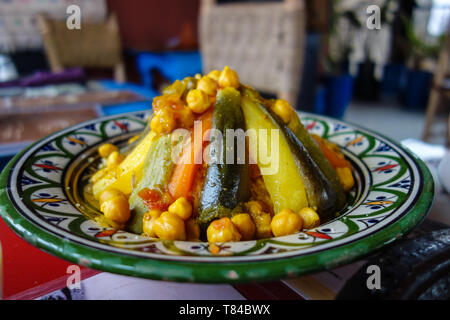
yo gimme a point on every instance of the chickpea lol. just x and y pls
(106, 149)
(346, 177)
(263, 225)
(168, 121)
(116, 209)
(214, 249)
(155, 124)
(222, 230)
(245, 225)
(310, 218)
(186, 118)
(198, 101)
(286, 222)
(110, 193)
(182, 208)
(176, 88)
(114, 159)
(254, 207)
(191, 83)
(192, 230)
(214, 74)
(207, 85)
(283, 109)
(228, 78)
(169, 227)
(163, 122)
(148, 221)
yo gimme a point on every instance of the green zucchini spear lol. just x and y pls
(300, 132)
(322, 185)
(226, 184)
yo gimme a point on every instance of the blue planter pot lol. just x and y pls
(417, 89)
(320, 106)
(339, 92)
(394, 80)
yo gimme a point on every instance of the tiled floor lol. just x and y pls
(394, 121)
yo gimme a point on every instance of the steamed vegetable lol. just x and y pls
(336, 158)
(322, 185)
(285, 185)
(180, 184)
(156, 174)
(318, 157)
(226, 184)
(320, 192)
(121, 176)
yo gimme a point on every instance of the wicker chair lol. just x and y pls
(95, 45)
(263, 42)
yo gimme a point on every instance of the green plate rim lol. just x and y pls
(210, 272)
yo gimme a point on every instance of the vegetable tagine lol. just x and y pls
(175, 186)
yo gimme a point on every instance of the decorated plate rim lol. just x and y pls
(213, 270)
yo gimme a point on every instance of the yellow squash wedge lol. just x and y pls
(121, 177)
(283, 179)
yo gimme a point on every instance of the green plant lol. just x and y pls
(418, 48)
(337, 54)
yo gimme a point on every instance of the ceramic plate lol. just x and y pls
(42, 198)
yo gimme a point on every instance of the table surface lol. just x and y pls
(25, 119)
(18, 105)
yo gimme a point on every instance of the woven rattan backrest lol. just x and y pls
(263, 42)
(94, 45)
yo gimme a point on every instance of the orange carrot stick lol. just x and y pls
(335, 160)
(180, 183)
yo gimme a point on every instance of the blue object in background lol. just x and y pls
(320, 106)
(147, 93)
(172, 65)
(4, 161)
(415, 95)
(338, 93)
(112, 109)
(334, 95)
(394, 80)
(307, 98)
(109, 110)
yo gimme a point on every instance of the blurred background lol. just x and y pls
(381, 63)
